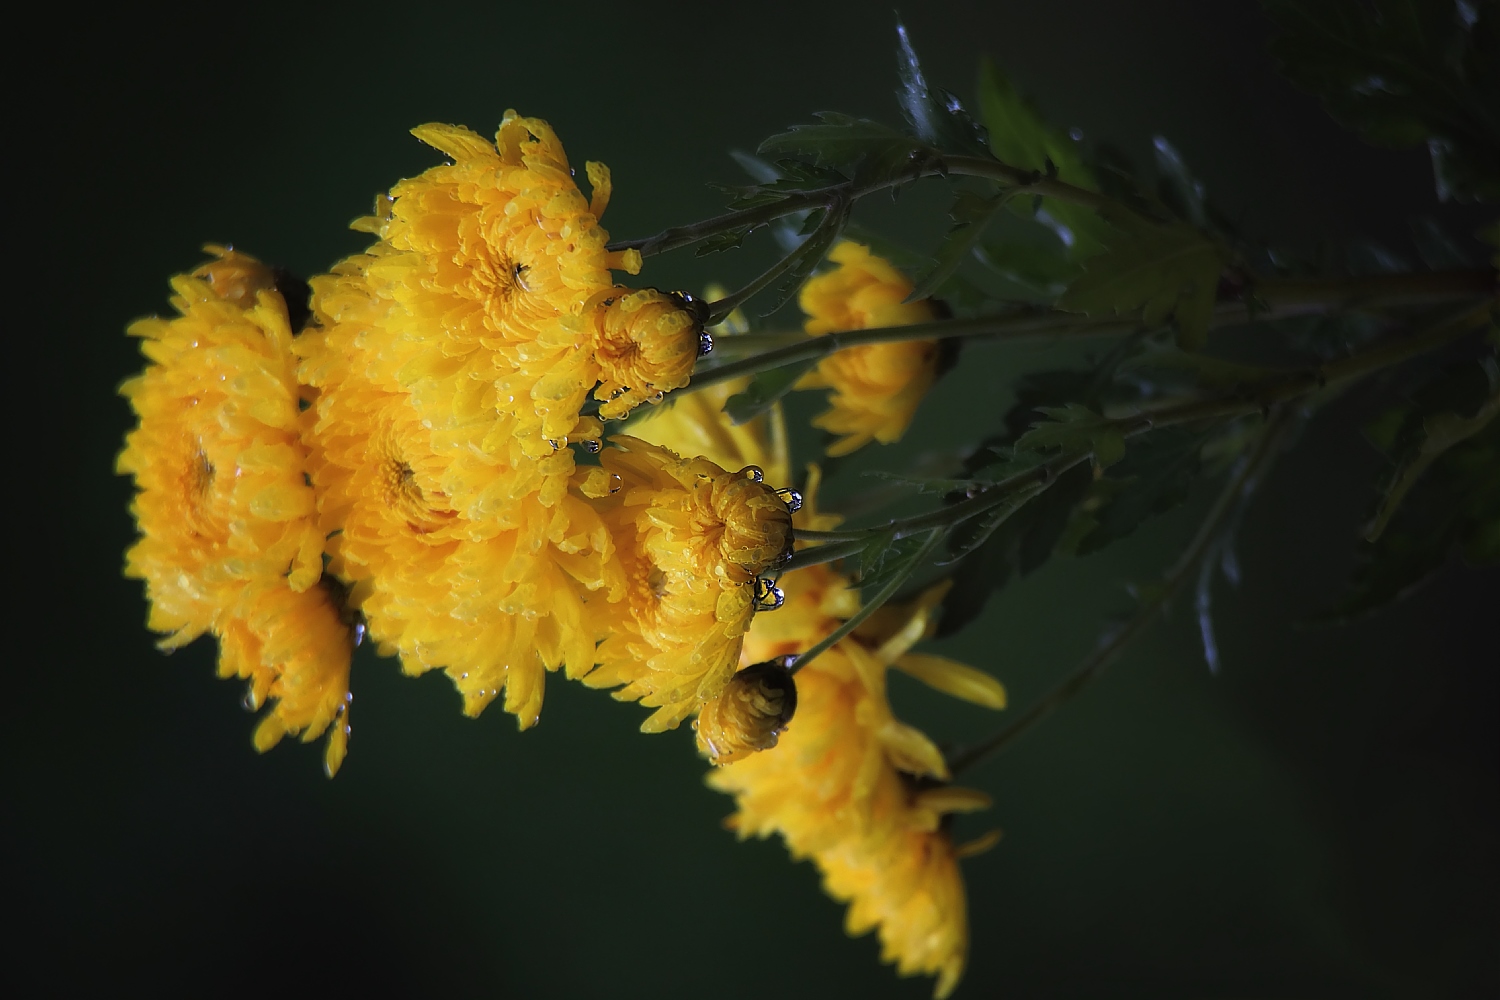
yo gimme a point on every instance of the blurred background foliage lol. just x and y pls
(1319, 819)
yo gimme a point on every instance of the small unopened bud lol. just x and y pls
(749, 715)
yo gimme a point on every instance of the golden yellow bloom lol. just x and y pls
(852, 787)
(230, 544)
(646, 343)
(453, 359)
(488, 300)
(750, 714)
(495, 601)
(876, 388)
(693, 541)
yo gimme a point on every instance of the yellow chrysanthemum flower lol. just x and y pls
(453, 359)
(693, 541)
(494, 601)
(848, 784)
(230, 543)
(876, 388)
(488, 299)
(864, 795)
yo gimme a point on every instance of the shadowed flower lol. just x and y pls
(230, 543)
(876, 388)
(693, 541)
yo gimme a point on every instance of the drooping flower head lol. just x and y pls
(864, 796)
(230, 544)
(749, 715)
(694, 541)
(877, 387)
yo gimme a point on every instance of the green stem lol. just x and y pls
(845, 543)
(811, 348)
(941, 166)
(1276, 300)
(840, 544)
(1249, 474)
(884, 594)
(818, 554)
(1356, 366)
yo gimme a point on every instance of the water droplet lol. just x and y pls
(592, 447)
(792, 498)
(754, 473)
(250, 703)
(359, 634)
(768, 596)
(705, 343)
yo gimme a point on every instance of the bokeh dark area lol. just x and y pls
(1317, 820)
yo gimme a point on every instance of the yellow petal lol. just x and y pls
(951, 677)
(953, 799)
(979, 844)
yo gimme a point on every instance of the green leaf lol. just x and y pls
(936, 116)
(802, 261)
(887, 557)
(1017, 546)
(1019, 137)
(1076, 428)
(1156, 476)
(1404, 73)
(1441, 431)
(1453, 509)
(764, 390)
(1155, 271)
(971, 534)
(1449, 409)
(972, 214)
(1443, 495)
(1028, 254)
(843, 142)
(729, 240)
(1180, 190)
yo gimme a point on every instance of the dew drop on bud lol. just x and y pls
(591, 446)
(705, 343)
(754, 473)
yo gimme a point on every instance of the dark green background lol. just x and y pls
(1319, 820)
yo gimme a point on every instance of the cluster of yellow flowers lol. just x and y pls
(851, 787)
(403, 466)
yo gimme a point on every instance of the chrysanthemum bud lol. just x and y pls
(645, 343)
(757, 523)
(749, 715)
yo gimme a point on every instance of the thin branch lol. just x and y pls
(1247, 476)
(1289, 298)
(939, 166)
(884, 594)
(818, 554)
(1268, 394)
